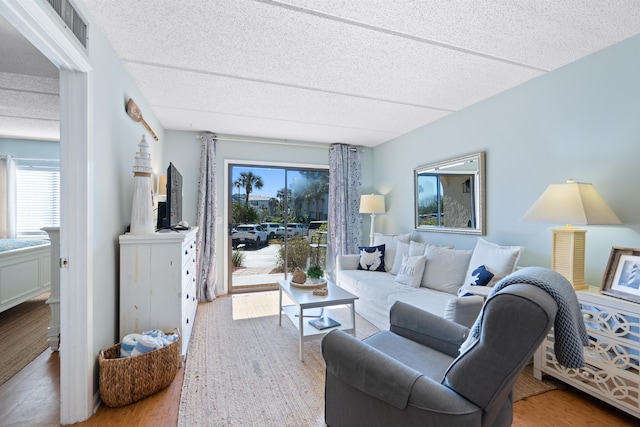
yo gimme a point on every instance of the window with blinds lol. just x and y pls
(38, 199)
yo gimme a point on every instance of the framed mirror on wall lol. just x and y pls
(449, 195)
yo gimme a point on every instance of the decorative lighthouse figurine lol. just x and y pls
(142, 210)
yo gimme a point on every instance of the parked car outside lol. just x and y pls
(316, 226)
(296, 229)
(293, 229)
(250, 234)
(273, 229)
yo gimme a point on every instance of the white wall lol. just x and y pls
(581, 121)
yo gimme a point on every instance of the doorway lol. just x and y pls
(277, 223)
(77, 366)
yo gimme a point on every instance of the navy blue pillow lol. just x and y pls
(481, 277)
(371, 258)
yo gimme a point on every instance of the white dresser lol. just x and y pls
(158, 283)
(612, 373)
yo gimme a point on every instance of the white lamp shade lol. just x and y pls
(571, 203)
(162, 185)
(372, 204)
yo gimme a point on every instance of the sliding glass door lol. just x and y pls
(277, 223)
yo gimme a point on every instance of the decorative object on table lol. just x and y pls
(372, 204)
(310, 284)
(323, 323)
(298, 276)
(622, 276)
(310, 280)
(134, 112)
(315, 272)
(321, 292)
(142, 210)
(570, 203)
(126, 380)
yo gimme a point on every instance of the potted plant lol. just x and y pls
(315, 273)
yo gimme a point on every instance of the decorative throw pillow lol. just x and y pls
(391, 242)
(482, 277)
(371, 258)
(416, 248)
(445, 269)
(500, 260)
(402, 249)
(411, 270)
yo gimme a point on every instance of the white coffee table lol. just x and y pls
(304, 299)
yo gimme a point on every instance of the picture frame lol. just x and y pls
(622, 276)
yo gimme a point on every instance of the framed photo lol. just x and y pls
(622, 276)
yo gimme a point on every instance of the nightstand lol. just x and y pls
(612, 372)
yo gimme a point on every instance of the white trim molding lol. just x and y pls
(37, 22)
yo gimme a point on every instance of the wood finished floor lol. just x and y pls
(36, 386)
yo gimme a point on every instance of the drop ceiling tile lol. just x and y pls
(544, 33)
(289, 105)
(25, 128)
(264, 128)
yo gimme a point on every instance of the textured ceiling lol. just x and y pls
(29, 103)
(343, 71)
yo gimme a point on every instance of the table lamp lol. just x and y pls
(371, 204)
(570, 203)
(162, 188)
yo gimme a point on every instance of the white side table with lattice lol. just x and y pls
(612, 373)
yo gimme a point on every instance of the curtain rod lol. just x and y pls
(4, 156)
(232, 138)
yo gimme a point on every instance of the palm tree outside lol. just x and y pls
(248, 181)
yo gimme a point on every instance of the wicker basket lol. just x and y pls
(126, 380)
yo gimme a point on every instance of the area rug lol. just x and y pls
(23, 334)
(243, 369)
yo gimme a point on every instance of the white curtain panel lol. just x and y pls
(345, 222)
(7, 197)
(206, 219)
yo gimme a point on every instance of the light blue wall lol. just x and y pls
(24, 148)
(115, 143)
(581, 121)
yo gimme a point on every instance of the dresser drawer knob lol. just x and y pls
(587, 316)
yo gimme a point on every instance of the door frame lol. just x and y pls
(38, 23)
(227, 204)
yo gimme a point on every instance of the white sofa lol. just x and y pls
(436, 276)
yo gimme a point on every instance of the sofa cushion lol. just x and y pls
(482, 277)
(500, 260)
(390, 241)
(402, 249)
(371, 258)
(411, 270)
(445, 269)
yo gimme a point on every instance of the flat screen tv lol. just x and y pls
(170, 212)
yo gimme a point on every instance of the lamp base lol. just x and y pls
(568, 255)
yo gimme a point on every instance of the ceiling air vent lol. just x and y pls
(71, 18)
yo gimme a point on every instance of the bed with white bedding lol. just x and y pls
(25, 270)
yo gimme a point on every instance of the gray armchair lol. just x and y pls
(412, 375)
